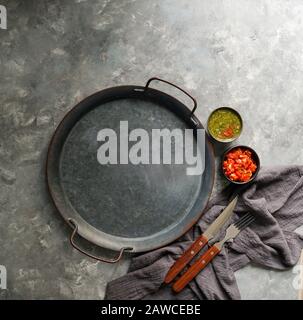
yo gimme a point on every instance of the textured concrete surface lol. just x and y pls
(246, 54)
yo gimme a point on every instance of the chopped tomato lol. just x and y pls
(228, 133)
(239, 165)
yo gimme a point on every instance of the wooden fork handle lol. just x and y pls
(187, 256)
(195, 268)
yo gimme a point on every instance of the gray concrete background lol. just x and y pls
(245, 54)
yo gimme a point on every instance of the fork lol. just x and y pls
(232, 231)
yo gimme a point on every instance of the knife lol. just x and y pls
(231, 232)
(202, 241)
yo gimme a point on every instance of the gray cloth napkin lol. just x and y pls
(275, 199)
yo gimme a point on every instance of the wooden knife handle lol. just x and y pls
(185, 258)
(198, 266)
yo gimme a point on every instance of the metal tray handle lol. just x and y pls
(165, 81)
(72, 241)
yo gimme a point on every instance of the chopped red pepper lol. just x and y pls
(239, 165)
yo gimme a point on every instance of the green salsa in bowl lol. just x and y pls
(224, 124)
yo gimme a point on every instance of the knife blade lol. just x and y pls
(202, 241)
(212, 230)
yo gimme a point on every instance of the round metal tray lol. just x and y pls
(124, 206)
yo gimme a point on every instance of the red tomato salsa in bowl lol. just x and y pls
(240, 164)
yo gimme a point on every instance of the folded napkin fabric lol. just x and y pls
(275, 199)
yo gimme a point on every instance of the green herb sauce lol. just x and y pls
(224, 124)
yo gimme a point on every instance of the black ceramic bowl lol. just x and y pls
(255, 158)
(229, 140)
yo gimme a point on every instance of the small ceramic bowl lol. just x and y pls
(255, 158)
(228, 140)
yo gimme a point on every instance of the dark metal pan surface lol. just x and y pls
(140, 207)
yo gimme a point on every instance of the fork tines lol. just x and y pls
(244, 221)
